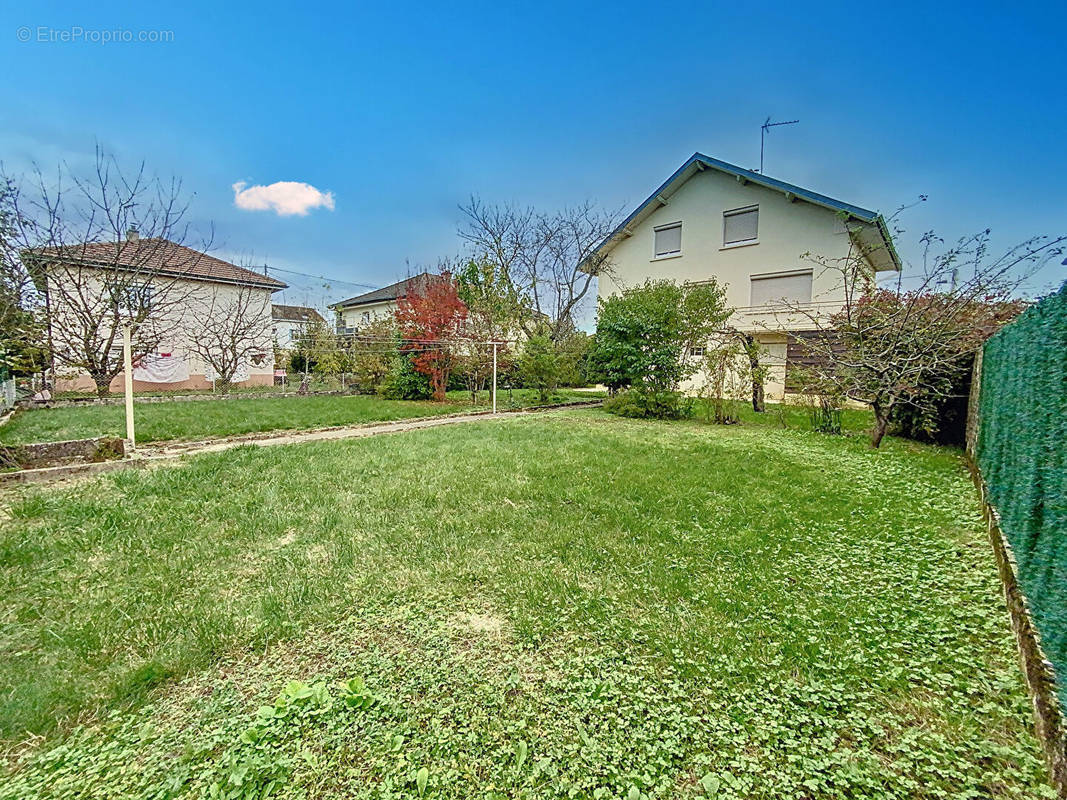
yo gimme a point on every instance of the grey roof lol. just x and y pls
(295, 313)
(390, 292)
(699, 161)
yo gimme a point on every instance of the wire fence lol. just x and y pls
(350, 363)
(326, 380)
(1022, 454)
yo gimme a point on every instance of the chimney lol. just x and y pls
(132, 235)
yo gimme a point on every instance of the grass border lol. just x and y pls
(174, 449)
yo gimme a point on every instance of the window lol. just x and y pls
(134, 299)
(740, 225)
(668, 240)
(781, 288)
(698, 351)
(366, 317)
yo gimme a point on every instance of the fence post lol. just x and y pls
(494, 377)
(127, 368)
(973, 402)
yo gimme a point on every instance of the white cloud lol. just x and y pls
(285, 198)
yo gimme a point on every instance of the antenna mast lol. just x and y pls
(764, 128)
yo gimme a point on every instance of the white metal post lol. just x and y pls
(494, 377)
(127, 369)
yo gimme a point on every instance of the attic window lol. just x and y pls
(668, 240)
(740, 226)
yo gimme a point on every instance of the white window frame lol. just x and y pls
(673, 253)
(733, 212)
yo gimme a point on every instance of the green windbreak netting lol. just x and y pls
(1022, 452)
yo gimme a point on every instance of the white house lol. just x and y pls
(750, 232)
(291, 322)
(355, 312)
(189, 304)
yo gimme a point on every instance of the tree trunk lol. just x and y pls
(103, 383)
(881, 423)
(759, 401)
(439, 383)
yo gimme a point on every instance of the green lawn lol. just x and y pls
(209, 418)
(571, 605)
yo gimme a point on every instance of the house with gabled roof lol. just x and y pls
(754, 234)
(292, 322)
(355, 312)
(174, 296)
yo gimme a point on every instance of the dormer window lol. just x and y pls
(740, 226)
(668, 240)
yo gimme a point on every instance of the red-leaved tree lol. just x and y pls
(431, 318)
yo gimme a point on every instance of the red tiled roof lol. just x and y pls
(159, 256)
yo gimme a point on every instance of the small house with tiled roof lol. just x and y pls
(291, 322)
(179, 293)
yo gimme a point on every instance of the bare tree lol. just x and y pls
(105, 252)
(896, 346)
(22, 321)
(551, 259)
(232, 331)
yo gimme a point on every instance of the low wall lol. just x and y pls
(177, 398)
(49, 454)
(83, 383)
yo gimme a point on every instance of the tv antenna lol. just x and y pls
(764, 128)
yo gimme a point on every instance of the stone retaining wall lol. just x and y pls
(48, 454)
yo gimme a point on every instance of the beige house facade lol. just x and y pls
(754, 235)
(190, 301)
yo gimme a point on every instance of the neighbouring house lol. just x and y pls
(711, 219)
(291, 322)
(196, 318)
(355, 312)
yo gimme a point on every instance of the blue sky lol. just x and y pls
(403, 111)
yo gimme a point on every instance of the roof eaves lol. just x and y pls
(266, 282)
(863, 214)
(382, 295)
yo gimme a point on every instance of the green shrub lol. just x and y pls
(650, 405)
(404, 383)
(539, 366)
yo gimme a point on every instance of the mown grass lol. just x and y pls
(566, 606)
(163, 421)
